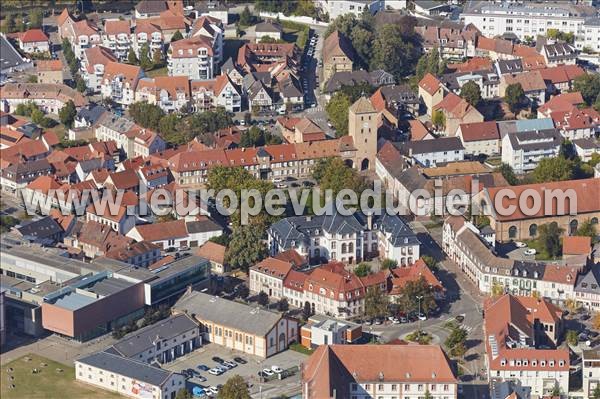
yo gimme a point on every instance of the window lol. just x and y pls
(512, 232)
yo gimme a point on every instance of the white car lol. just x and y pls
(520, 244)
(277, 369)
(530, 252)
(230, 364)
(268, 372)
(422, 317)
(215, 371)
(214, 390)
(395, 320)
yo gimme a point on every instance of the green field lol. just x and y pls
(49, 383)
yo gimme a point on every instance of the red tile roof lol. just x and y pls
(162, 231)
(273, 268)
(116, 26)
(480, 131)
(575, 245)
(418, 131)
(130, 73)
(49, 65)
(430, 84)
(212, 251)
(33, 36)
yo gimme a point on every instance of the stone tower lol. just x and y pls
(362, 127)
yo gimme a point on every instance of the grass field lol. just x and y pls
(157, 72)
(47, 384)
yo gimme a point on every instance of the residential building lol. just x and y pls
(162, 342)
(456, 111)
(234, 325)
(267, 29)
(339, 79)
(338, 55)
(560, 78)
(587, 289)
(322, 330)
(451, 43)
(131, 138)
(192, 57)
(13, 61)
(34, 41)
(526, 20)
(15, 177)
(532, 83)
(177, 233)
(50, 72)
(211, 28)
(430, 153)
(50, 98)
(268, 276)
(335, 8)
(128, 377)
(586, 148)
(568, 214)
(524, 150)
(590, 361)
(487, 81)
(82, 34)
(480, 138)
(300, 130)
(431, 92)
(516, 328)
(153, 8)
(373, 371)
(559, 53)
(93, 64)
(119, 82)
(117, 37)
(589, 35)
(141, 254)
(215, 253)
(345, 238)
(431, 8)
(170, 93)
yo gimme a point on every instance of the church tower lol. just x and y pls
(362, 127)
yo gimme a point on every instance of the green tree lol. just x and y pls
(183, 394)
(587, 229)
(394, 52)
(234, 388)
(263, 298)
(508, 173)
(333, 174)
(362, 269)
(80, 84)
(145, 61)
(344, 24)
(438, 119)
(132, 58)
(307, 310)
(389, 264)
(7, 222)
(430, 261)
(549, 236)
(283, 305)
(596, 393)
(458, 336)
(571, 337)
(37, 116)
(409, 294)
(589, 86)
(471, 92)
(223, 239)
(156, 58)
(514, 96)
(337, 112)
(145, 114)
(67, 114)
(430, 63)
(256, 137)
(427, 395)
(9, 23)
(246, 247)
(376, 303)
(246, 17)
(21, 27)
(176, 36)
(36, 18)
(553, 169)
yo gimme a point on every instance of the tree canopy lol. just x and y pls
(411, 291)
(256, 137)
(395, 52)
(67, 114)
(337, 112)
(430, 63)
(508, 173)
(246, 247)
(471, 92)
(363, 269)
(514, 96)
(234, 388)
(334, 174)
(554, 169)
(589, 86)
(376, 303)
(549, 237)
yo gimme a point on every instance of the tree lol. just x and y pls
(589, 86)
(508, 173)
(337, 112)
(80, 84)
(246, 17)
(132, 58)
(183, 394)
(438, 119)
(243, 291)
(549, 236)
(307, 310)
(145, 61)
(37, 116)
(256, 137)
(389, 264)
(514, 96)
(456, 340)
(427, 395)
(394, 52)
(376, 303)
(411, 291)
(263, 298)
(553, 169)
(145, 114)
(156, 58)
(246, 247)
(283, 305)
(176, 36)
(571, 337)
(333, 174)
(9, 23)
(587, 229)
(596, 321)
(430, 63)
(362, 270)
(36, 18)
(471, 93)
(234, 388)
(430, 261)
(67, 114)
(596, 393)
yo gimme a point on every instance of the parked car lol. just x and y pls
(520, 244)
(268, 372)
(230, 364)
(460, 318)
(184, 248)
(214, 390)
(215, 371)
(203, 367)
(378, 322)
(277, 369)
(530, 251)
(422, 316)
(217, 359)
(240, 360)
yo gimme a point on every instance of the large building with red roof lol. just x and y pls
(34, 41)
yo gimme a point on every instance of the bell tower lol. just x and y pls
(362, 127)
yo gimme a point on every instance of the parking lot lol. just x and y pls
(249, 371)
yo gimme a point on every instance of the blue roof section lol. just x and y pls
(74, 301)
(524, 125)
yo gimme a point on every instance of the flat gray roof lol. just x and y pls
(127, 367)
(74, 301)
(9, 57)
(227, 313)
(109, 286)
(177, 266)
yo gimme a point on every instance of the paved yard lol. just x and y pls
(249, 371)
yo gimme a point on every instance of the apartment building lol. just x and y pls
(117, 37)
(515, 329)
(93, 64)
(335, 8)
(82, 34)
(323, 330)
(130, 138)
(212, 29)
(234, 325)
(451, 43)
(379, 371)
(338, 55)
(192, 57)
(268, 277)
(119, 82)
(219, 92)
(50, 71)
(430, 153)
(170, 93)
(590, 361)
(480, 138)
(50, 98)
(345, 238)
(524, 150)
(34, 41)
(128, 377)
(589, 35)
(431, 92)
(526, 19)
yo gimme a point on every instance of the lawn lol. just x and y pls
(157, 72)
(301, 348)
(49, 383)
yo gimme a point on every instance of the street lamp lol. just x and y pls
(419, 297)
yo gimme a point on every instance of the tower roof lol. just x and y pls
(362, 106)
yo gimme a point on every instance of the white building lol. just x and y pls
(34, 41)
(524, 150)
(589, 36)
(120, 81)
(177, 233)
(268, 276)
(590, 361)
(128, 377)
(193, 57)
(335, 8)
(93, 64)
(171, 93)
(528, 19)
(429, 153)
(117, 37)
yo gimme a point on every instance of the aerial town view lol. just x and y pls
(318, 199)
